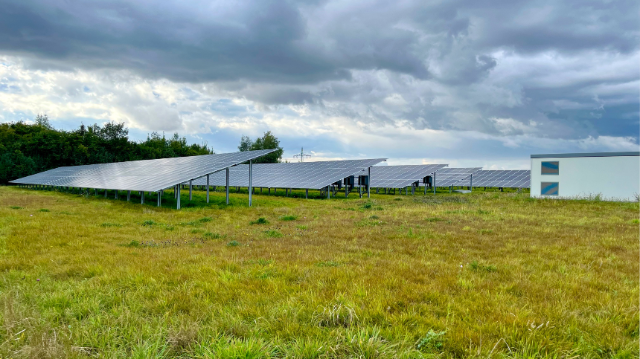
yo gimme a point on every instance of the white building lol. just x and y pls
(614, 176)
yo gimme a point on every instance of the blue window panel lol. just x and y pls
(551, 168)
(549, 188)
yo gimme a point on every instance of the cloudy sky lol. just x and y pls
(482, 83)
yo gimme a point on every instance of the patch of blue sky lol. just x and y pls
(190, 94)
(8, 88)
(17, 116)
(227, 108)
(74, 123)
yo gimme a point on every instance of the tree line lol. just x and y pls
(26, 149)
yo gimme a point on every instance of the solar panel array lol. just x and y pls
(302, 175)
(502, 178)
(447, 176)
(401, 176)
(145, 175)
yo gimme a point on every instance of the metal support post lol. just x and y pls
(159, 198)
(306, 193)
(250, 181)
(105, 193)
(434, 183)
(190, 190)
(128, 196)
(227, 176)
(142, 197)
(360, 191)
(369, 183)
(116, 196)
(207, 188)
(471, 182)
(177, 197)
(328, 192)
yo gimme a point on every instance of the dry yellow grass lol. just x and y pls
(481, 275)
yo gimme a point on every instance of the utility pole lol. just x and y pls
(302, 155)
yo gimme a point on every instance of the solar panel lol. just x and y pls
(145, 175)
(447, 176)
(301, 175)
(401, 176)
(502, 178)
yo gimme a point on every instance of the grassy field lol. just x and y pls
(485, 275)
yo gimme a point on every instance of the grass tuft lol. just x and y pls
(328, 264)
(431, 342)
(209, 235)
(260, 220)
(477, 267)
(233, 244)
(288, 218)
(109, 224)
(44, 210)
(337, 315)
(15, 207)
(273, 233)
(148, 223)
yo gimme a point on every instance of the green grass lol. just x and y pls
(288, 218)
(481, 275)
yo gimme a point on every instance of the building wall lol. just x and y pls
(615, 178)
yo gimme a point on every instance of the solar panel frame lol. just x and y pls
(401, 176)
(502, 178)
(144, 175)
(449, 176)
(300, 175)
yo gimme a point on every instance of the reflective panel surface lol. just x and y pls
(145, 175)
(301, 175)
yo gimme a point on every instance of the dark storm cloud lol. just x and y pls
(428, 63)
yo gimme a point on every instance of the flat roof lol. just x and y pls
(589, 154)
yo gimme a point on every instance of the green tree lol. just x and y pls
(245, 144)
(267, 142)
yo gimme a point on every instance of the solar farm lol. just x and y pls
(228, 171)
(216, 256)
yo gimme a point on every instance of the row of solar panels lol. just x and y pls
(316, 175)
(156, 175)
